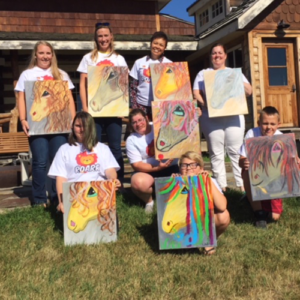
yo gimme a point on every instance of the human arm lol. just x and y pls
(111, 174)
(83, 91)
(22, 112)
(244, 163)
(199, 98)
(141, 166)
(71, 104)
(220, 202)
(248, 89)
(59, 189)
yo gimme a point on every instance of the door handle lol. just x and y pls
(293, 88)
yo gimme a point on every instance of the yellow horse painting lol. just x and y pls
(90, 201)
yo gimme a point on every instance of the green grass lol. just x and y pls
(206, 157)
(249, 263)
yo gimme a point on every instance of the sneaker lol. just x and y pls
(149, 208)
(261, 224)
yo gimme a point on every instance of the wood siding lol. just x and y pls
(83, 23)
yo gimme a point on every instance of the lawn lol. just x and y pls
(250, 263)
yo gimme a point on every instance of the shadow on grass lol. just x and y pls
(240, 209)
(58, 219)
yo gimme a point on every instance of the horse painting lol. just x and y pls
(171, 81)
(185, 212)
(91, 204)
(175, 128)
(108, 91)
(50, 107)
(225, 92)
(274, 172)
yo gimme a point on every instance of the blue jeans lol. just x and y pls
(43, 149)
(113, 128)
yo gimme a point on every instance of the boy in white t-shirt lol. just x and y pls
(269, 122)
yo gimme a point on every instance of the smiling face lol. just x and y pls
(78, 130)
(43, 57)
(104, 39)
(218, 57)
(140, 124)
(268, 124)
(158, 47)
(190, 170)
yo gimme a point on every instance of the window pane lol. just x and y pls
(230, 61)
(277, 76)
(276, 57)
(238, 58)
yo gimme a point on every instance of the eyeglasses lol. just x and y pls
(138, 121)
(101, 24)
(191, 165)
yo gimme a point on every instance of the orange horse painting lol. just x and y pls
(51, 101)
(90, 201)
(171, 81)
(185, 212)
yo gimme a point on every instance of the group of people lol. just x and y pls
(69, 156)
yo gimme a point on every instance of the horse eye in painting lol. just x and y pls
(178, 111)
(91, 192)
(111, 75)
(45, 94)
(169, 71)
(184, 191)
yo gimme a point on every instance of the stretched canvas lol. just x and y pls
(176, 128)
(225, 93)
(185, 212)
(48, 107)
(273, 171)
(90, 212)
(108, 91)
(171, 81)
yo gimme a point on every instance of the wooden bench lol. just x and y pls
(13, 142)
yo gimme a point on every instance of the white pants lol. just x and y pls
(221, 133)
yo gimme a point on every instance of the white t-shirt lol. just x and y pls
(141, 72)
(102, 59)
(199, 81)
(254, 132)
(75, 163)
(36, 74)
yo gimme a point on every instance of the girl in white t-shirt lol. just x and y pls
(83, 158)
(140, 84)
(103, 54)
(42, 66)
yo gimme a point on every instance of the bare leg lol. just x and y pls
(142, 186)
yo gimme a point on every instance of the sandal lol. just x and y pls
(210, 251)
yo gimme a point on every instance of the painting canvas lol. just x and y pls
(176, 128)
(171, 81)
(273, 171)
(225, 93)
(90, 212)
(108, 91)
(48, 107)
(185, 212)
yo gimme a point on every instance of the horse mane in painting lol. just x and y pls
(51, 101)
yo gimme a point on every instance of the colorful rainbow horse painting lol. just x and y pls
(90, 212)
(176, 128)
(171, 81)
(274, 172)
(185, 212)
(48, 106)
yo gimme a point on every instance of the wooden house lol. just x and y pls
(69, 26)
(262, 37)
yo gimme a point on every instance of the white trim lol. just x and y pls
(198, 6)
(81, 45)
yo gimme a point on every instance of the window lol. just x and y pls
(217, 8)
(277, 67)
(204, 18)
(235, 58)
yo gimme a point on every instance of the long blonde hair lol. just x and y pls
(57, 75)
(94, 53)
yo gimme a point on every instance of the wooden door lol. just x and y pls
(280, 81)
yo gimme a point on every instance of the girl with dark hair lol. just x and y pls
(83, 158)
(221, 132)
(104, 55)
(42, 67)
(140, 86)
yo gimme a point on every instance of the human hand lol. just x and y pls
(244, 163)
(175, 175)
(25, 127)
(205, 173)
(117, 183)
(60, 207)
(165, 164)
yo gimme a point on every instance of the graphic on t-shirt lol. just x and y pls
(171, 81)
(105, 62)
(150, 149)
(48, 106)
(46, 77)
(108, 91)
(146, 74)
(87, 162)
